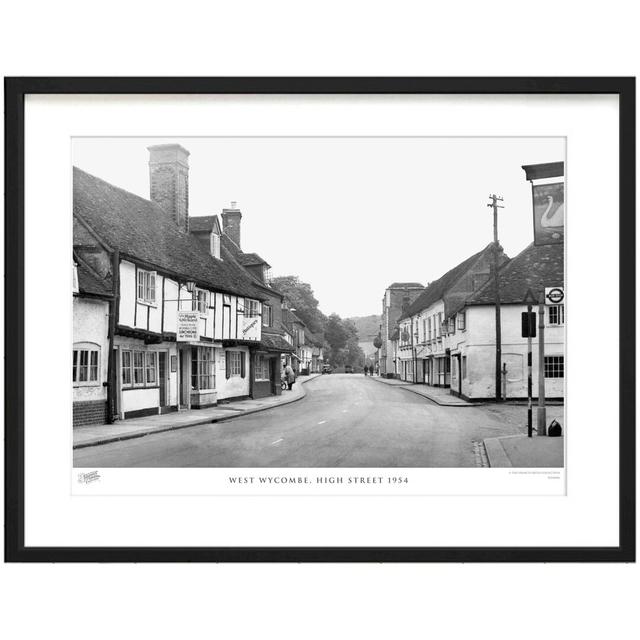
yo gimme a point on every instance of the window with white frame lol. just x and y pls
(126, 368)
(235, 361)
(200, 301)
(267, 315)
(146, 286)
(450, 325)
(86, 365)
(151, 362)
(251, 308)
(554, 366)
(556, 314)
(461, 320)
(429, 328)
(215, 245)
(139, 368)
(203, 368)
(262, 368)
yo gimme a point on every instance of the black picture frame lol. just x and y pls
(15, 91)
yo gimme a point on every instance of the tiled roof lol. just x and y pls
(534, 268)
(233, 249)
(91, 283)
(274, 342)
(247, 259)
(407, 285)
(201, 223)
(295, 318)
(438, 288)
(140, 229)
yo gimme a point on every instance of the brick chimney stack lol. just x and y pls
(231, 222)
(169, 180)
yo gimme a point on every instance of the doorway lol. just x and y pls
(185, 378)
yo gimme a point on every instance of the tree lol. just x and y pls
(341, 337)
(335, 333)
(300, 297)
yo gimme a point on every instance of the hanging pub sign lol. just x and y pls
(188, 329)
(548, 213)
(548, 201)
(251, 328)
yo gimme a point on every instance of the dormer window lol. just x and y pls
(215, 245)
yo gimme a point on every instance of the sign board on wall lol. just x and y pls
(548, 213)
(554, 295)
(188, 326)
(251, 328)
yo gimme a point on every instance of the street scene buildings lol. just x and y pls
(177, 324)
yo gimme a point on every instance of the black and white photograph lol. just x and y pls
(318, 302)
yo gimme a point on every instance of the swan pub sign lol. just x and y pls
(548, 202)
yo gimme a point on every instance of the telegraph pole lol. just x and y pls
(495, 206)
(542, 410)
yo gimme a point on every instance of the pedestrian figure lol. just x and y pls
(289, 375)
(365, 369)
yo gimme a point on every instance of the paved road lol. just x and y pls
(344, 421)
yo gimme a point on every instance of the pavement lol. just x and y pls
(521, 451)
(344, 420)
(439, 395)
(92, 435)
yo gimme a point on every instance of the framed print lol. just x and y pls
(320, 319)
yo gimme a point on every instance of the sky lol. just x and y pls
(349, 215)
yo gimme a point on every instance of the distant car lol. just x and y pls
(326, 368)
(348, 368)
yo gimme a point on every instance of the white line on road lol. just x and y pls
(278, 440)
(322, 422)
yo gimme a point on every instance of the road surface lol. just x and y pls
(344, 421)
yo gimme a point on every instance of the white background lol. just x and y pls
(370, 38)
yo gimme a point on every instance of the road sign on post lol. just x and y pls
(528, 332)
(529, 323)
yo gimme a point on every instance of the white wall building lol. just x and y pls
(158, 268)
(424, 347)
(90, 357)
(473, 346)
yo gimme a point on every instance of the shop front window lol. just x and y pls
(262, 368)
(203, 368)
